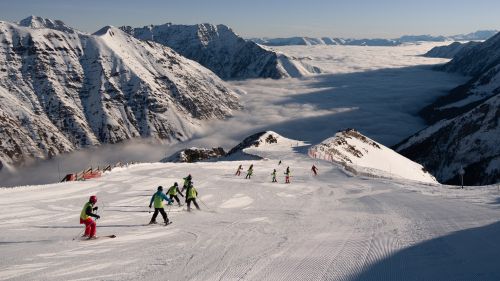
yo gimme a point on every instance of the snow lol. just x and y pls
(327, 227)
(364, 156)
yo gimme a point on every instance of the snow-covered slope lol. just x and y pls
(218, 48)
(364, 156)
(326, 227)
(469, 141)
(450, 51)
(260, 143)
(61, 90)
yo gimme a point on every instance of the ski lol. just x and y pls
(97, 238)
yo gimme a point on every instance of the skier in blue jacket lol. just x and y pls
(157, 199)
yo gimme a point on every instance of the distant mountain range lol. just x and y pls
(307, 41)
(221, 50)
(465, 130)
(61, 89)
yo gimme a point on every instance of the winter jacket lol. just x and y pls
(158, 198)
(87, 211)
(173, 191)
(191, 193)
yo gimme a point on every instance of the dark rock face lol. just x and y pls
(191, 155)
(250, 141)
(468, 141)
(465, 130)
(61, 90)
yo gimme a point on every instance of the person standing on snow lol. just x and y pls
(287, 175)
(157, 199)
(86, 216)
(274, 175)
(249, 172)
(279, 163)
(187, 181)
(238, 172)
(172, 192)
(191, 195)
(314, 170)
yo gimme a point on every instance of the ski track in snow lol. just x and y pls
(329, 227)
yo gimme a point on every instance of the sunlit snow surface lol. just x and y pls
(326, 227)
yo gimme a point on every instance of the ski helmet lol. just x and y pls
(176, 184)
(93, 199)
(160, 188)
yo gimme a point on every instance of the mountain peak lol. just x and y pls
(39, 22)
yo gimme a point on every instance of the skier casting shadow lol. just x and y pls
(157, 199)
(172, 192)
(86, 217)
(191, 195)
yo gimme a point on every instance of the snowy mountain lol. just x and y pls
(62, 90)
(468, 141)
(450, 51)
(362, 155)
(310, 41)
(466, 130)
(477, 35)
(219, 49)
(482, 63)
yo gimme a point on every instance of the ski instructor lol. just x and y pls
(158, 198)
(86, 217)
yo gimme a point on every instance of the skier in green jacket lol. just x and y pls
(249, 172)
(191, 195)
(274, 175)
(187, 180)
(157, 199)
(172, 192)
(86, 216)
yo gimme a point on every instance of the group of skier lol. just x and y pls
(88, 211)
(287, 173)
(88, 216)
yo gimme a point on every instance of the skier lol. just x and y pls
(279, 163)
(191, 195)
(315, 170)
(158, 198)
(249, 172)
(287, 175)
(172, 192)
(238, 172)
(86, 217)
(274, 175)
(187, 180)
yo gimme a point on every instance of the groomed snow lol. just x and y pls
(329, 227)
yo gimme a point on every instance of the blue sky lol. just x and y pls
(273, 18)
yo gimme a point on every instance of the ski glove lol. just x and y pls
(97, 217)
(95, 208)
(150, 206)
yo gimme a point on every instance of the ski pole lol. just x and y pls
(205, 204)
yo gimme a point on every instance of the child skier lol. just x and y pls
(187, 180)
(191, 195)
(314, 170)
(238, 172)
(86, 216)
(274, 175)
(172, 192)
(287, 175)
(249, 172)
(158, 198)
